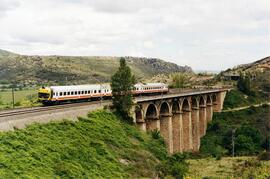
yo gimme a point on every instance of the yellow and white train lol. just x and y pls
(58, 94)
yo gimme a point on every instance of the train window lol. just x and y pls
(68, 93)
(82, 92)
(95, 91)
(99, 91)
(85, 92)
(89, 92)
(79, 92)
(75, 92)
(72, 93)
(60, 93)
(65, 93)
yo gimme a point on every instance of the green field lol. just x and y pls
(228, 167)
(22, 98)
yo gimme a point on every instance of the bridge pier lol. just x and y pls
(177, 126)
(209, 112)
(202, 120)
(152, 124)
(195, 116)
(166, 131)
(187, 131)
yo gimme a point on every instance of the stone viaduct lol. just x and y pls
(181, 118)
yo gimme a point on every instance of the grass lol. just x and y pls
(22, 98)
(228, 167)
(236, 98)
(99, 146)
(6, 96)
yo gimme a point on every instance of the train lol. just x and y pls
(59, 94)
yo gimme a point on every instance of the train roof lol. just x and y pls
(151, 84)
(79, 87)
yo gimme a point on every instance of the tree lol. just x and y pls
(243, 84)
(122, 84)
(179, 80)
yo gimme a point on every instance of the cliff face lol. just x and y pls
(76, 70)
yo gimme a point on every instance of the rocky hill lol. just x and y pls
(259, 72)
(76, 69)
(257, 66)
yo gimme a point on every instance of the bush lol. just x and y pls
(175, 166)
(264, 156)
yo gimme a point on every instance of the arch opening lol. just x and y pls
(164, 108)
(185, 105)
(202, 101)
(194, 102)
(151, 112)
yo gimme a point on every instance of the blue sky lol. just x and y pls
(204, 34)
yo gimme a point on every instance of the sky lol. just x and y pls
(204, 34)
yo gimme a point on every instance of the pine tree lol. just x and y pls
(122, 84)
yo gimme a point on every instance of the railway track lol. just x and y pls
(47, 108)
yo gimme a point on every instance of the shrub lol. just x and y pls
(174, 166)
(264, 156)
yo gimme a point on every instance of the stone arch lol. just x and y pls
(202, 101)
(164, 108)
(175, 107)
(151, 111)
(194, 102)
(151, 117)
(208, 99)
(185, 105)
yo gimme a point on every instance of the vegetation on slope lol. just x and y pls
(251, 134)
(76, 70)
(235, 98)
(228, 167)
(99, 146)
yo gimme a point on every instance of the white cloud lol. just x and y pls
(210, 34)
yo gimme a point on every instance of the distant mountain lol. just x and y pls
(4, 53)
(76, 70)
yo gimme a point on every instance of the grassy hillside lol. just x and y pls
(75, 70)
(251, 136)
(236, 98)
(98, 146)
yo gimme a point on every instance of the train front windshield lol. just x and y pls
(43, 95)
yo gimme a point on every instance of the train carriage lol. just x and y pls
(58, 94)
